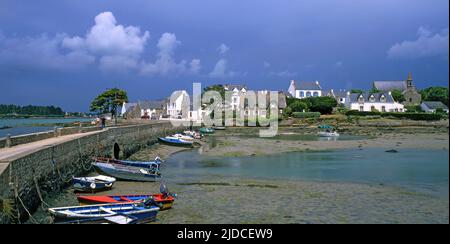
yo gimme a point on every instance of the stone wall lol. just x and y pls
(51, 169)
(22, 139)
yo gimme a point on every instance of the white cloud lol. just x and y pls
(165, 63)
(284, 73)
(41, 52)
(223, 49)
(195, 66)
(110, 46)
(427, 45)
(108, 38)
(266, 64)
(220, 70)
(118, 63)
(119, 48)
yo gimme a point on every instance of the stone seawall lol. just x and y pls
(50, 170)
(22, 139)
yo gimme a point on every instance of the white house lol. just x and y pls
(365, 102)
(340, 95)
(431, 106)
(126, 107)
(178, 102)
(143, 109)
(305, 89)
(238, 92)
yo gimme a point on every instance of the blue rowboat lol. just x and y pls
(142, 164)
(124, 172)
(139, 212)
(116, 219)
(93, 184)
(175, 141)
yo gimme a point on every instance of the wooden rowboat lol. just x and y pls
(164, 201)
(142, 212)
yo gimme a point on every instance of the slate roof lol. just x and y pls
(340, 93)
(129, 105)
(355, 96)
(435, 104)
(390, 85)
(155, 104)
(305, 85)
(231, 87)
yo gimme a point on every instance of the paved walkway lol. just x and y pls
(9, 154)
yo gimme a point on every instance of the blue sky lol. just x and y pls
(65, 53)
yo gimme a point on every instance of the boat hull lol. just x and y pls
(92, 184)
(140, 214)
(165, 202)
(180, 143)
(125, 173)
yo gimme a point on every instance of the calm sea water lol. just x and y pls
(26, 126)
(421, 170)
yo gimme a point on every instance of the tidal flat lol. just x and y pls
(232, 188)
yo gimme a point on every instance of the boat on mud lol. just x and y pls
(164, 199)
(125, 172)
(142, 164)
(138, 212)
(93, 184)
(328, 131)
(205, 130)
(175, 141)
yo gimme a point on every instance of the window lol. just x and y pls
(308, 94)
(383, 99)
(383, 108)
(315, 94)
(372, 99)
(410, 100)
(302, 94)
(361, 108)
(361, 99)
(372, 108)
(235, 99)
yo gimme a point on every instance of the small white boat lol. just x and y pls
(193, 134)
(183, 137)
(93, 184)
(328, 134)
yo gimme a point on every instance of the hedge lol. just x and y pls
(406, 115)
(302, 115)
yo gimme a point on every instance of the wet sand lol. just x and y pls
(229, 144)
(220, 199)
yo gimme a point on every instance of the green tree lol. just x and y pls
(218, 88)
(436, 93)
(324, 105)
(398, 95)
(358, 91)
(374, 90)
(108, 101)
(298, 106)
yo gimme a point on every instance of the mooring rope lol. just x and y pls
(28, 212)
(40, 195)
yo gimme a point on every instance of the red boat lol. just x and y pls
(165, 200)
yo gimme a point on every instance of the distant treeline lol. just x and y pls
(30, 110)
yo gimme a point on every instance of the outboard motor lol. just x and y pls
(163, 189)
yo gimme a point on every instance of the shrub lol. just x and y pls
(303, 115)
(298, 106)
(407, 115)
(413, 109)
(323, 105)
